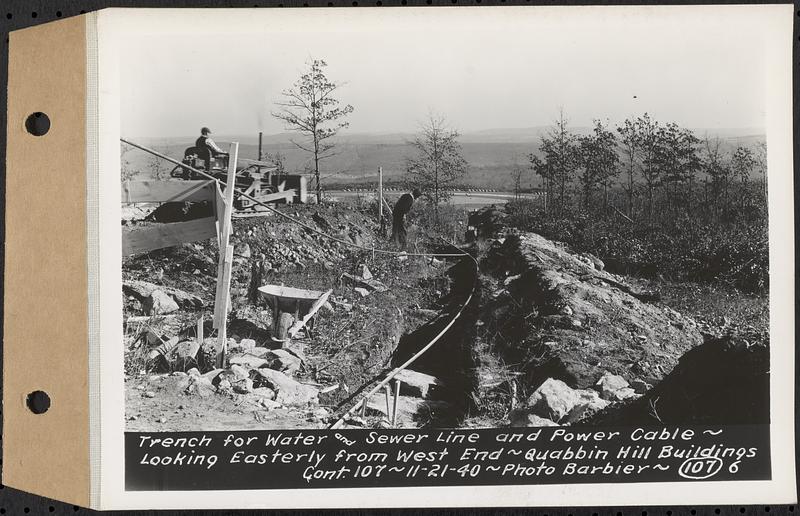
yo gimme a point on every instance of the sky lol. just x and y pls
(480, 68)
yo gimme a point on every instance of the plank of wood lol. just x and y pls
(250, 215)
(296, 327)
(224, 239)
(219, 212)
(221, 310)
(285, 194)
(158, 236)
(166, 191)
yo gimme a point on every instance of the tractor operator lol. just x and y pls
(205, 142)
(401, 208)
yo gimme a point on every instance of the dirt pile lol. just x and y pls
(550, 314)
(350, 344)
(281, 245)
(563, 318)
(724, 381)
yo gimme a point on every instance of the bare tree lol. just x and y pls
(438, 163)
(310, 108)
(718, 170)
(743, 165)
(517, 172)
(559, 149)
(598, 158)
(677, 162)
(157, 170)
(647, 131)
(761, 164)
(126, 169)
(629, 142)
(279, 160)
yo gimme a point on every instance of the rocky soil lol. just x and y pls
(562, 341)
(172, 381)
(548, 338)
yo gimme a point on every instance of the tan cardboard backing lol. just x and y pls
(46, 333)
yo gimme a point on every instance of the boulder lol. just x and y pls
(416, 384)
(609, 384)
(239, 371)
(623, 394)
(589, 402)
(640, 386)
(248, 361)
(369, 284)
(525, 418)
(410, 411)
(287, 390)
(282, 360)
(296, 349)
(242, 251)
(247, 344)
(232, 375)
(364, 272)
(141, 290)
(224, 386)
(553, 399)
(243, 386)
(184, 356)
(199, 386)
(159, 303)
(210, 375)
(263, 392)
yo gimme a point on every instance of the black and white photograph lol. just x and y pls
(448, 220)
(424, 235)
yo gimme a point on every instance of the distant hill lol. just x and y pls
(492, 154)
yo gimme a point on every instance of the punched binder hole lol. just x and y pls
(38, 402)
(37, 124)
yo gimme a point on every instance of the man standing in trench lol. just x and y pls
(401, 208)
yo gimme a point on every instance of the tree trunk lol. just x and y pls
(316, 168)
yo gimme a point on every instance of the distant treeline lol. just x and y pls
(648, 169)
(654, 199)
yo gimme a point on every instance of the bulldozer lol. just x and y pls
(256, 179)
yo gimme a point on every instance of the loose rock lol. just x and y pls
(287, 390)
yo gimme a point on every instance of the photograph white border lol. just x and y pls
(113, 25)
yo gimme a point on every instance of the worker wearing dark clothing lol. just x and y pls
(205, 142)
(401, 208)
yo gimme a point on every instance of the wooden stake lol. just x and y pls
(380, 201)
(387, 390)
(200, 336)
(225, 234)
(223, 309)
(222, 300)
(396, 401)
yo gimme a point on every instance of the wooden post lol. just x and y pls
(396, 402)
(380, 201)
(200, 336)
(222, 300)
(224, 306)
(387, 390)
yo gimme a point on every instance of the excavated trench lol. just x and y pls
(450, 360)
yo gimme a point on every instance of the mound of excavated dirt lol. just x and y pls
(552, 314)
(724, 381)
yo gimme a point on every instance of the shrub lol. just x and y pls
(683, 248)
